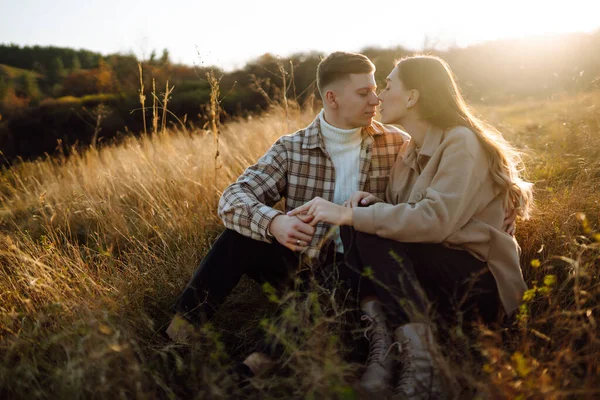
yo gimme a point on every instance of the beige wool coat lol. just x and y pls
(444, 193)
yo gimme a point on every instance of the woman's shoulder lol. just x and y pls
(466, 138)
(461, 132)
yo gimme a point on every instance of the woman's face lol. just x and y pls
(394, 99)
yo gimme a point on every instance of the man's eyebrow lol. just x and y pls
(366, 88)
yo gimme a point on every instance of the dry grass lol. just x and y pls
(95, 248)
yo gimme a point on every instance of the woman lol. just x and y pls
(439, 236)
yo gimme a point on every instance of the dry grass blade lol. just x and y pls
(94, 249)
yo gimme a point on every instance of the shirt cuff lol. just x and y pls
(363, 219)
(263, 217)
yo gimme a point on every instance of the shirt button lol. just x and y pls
(419, 196)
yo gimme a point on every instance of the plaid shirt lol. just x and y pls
(299, 168)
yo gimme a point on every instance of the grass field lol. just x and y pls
(94, 249)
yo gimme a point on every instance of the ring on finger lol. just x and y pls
(298, 242)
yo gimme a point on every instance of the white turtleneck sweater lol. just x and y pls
(343, 146)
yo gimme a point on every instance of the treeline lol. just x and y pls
(36, 73)
(51, 95)
(42, 58)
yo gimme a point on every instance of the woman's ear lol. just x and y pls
(413, 97)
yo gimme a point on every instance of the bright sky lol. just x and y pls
(227, 33)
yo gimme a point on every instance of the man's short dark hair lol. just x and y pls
(339, 65)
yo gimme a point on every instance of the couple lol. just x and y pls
(430, 213)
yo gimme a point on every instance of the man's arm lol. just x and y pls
(246, 205)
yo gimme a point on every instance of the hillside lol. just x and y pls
(13, 72)
(94, 249)
(35, 119)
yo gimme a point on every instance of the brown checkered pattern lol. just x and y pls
(298, 168)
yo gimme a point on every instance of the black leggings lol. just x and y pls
(414, 279)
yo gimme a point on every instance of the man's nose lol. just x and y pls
(373, 99)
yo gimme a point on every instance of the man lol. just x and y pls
(342, 151)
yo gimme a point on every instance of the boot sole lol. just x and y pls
(367, 394)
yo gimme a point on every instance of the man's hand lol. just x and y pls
(295, 233)
(326, 211)
(361, 199)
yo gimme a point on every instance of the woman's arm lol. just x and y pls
(326, 211)
(447, 203)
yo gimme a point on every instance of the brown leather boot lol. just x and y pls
(375, 381)
(180, 330)
(420, 376)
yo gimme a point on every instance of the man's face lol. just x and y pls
(357, 100)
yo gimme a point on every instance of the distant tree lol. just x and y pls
(30, 87)
(75, 63)
(39, 68)
(5, 85)
(11, 101)
(88, 59)
(125, 72)
(164, 58)
(56, 72)
(152, 59)
(79, 83)
(57, 90)
(105, 79)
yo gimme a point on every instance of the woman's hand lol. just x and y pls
(361, 199)
(326, 211)
(510, 221)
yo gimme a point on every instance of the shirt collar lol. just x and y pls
(431, 142)
(314, 138)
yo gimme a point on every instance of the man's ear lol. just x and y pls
(331, 99)
(413, 97)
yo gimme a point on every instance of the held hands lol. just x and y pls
(361, 199)
(319, 209)
(295, 233)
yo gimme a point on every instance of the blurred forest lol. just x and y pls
(52, 98)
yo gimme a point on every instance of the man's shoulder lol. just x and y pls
(296, 136)
(301, 137)
(293, 140)
(389, 133)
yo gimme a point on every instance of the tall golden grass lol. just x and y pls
(94, 249)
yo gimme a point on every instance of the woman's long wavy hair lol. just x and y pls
(441, 103)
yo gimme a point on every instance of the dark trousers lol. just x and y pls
(234, 255)
(230, 257)
(411, 278)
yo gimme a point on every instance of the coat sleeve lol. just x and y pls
(447, 203)
(246, 205)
